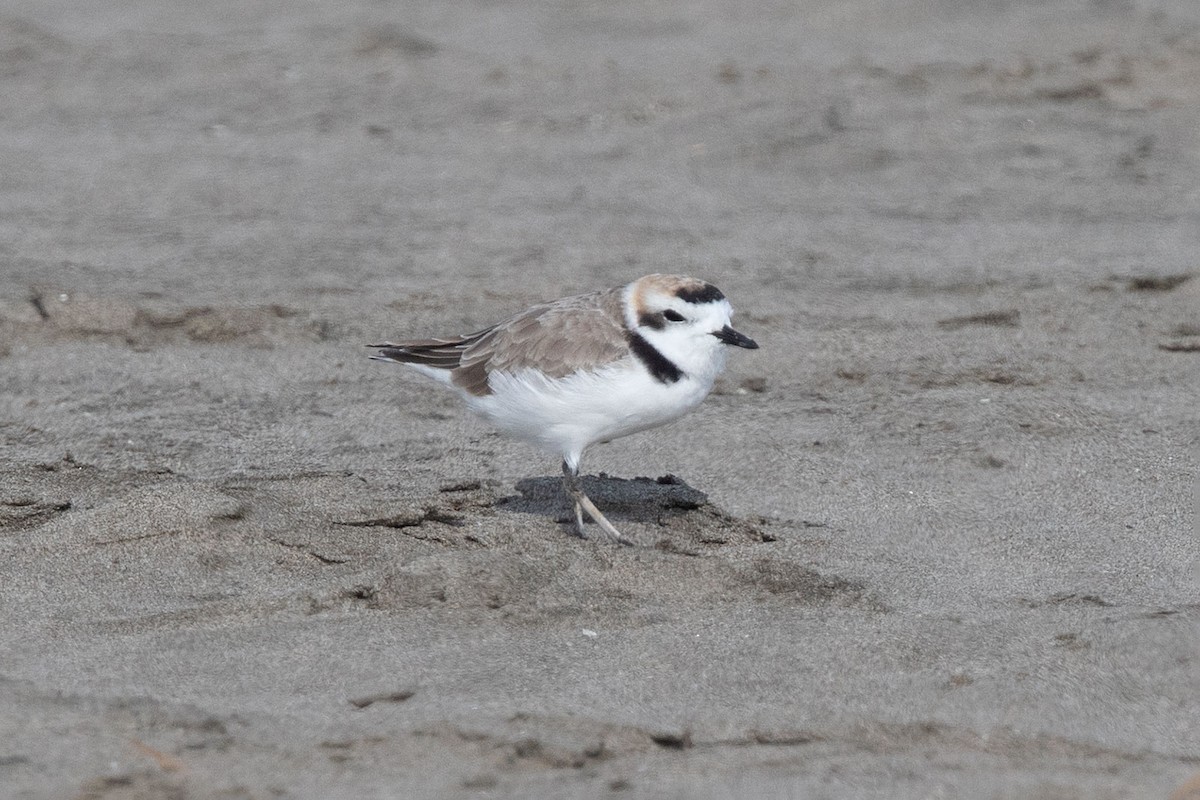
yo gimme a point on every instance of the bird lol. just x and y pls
(583, 370)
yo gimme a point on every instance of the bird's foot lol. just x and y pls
(583, 503)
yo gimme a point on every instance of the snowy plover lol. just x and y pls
(570, 373)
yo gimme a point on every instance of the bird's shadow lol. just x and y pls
(647, 500)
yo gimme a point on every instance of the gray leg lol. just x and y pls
(582, 503)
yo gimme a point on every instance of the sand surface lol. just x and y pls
(934, 540)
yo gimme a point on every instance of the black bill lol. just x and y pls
(729, 336)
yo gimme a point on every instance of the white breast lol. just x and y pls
(565, 415)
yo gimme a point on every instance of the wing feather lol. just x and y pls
(571, 335)
(558, 339)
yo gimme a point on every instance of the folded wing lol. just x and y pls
(557, 339)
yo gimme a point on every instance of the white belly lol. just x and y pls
(565, 415)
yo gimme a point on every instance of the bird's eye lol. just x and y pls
(673, 316)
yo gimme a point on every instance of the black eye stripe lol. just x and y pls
(673, 315)
(652, 320)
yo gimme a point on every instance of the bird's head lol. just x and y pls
(685, 319)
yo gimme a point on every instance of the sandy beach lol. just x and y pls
(935, 539)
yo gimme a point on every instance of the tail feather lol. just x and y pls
(433, 353)
(440, 357)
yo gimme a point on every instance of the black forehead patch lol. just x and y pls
(706, 293)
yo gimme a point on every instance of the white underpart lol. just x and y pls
(439, 375)
(566, 415)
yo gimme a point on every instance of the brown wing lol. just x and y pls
(559, 338)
